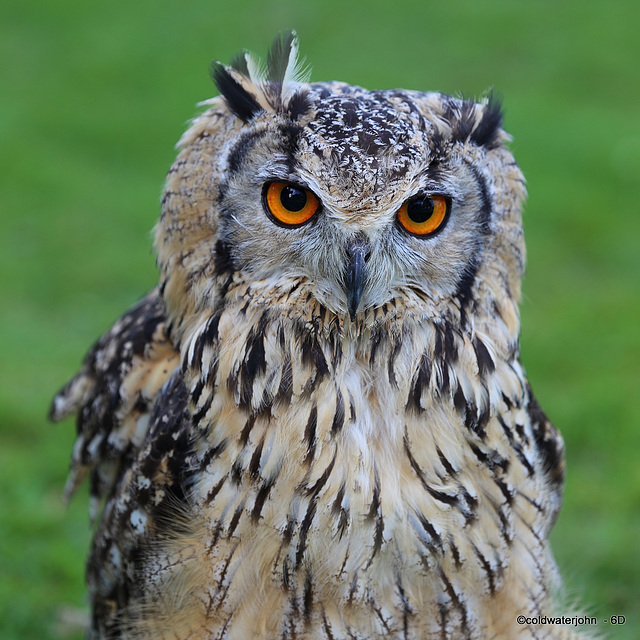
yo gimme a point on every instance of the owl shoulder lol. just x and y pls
(114, 393)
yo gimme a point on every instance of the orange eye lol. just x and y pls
(424, 215)
(288, 204)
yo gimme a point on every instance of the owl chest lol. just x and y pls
(326, 479)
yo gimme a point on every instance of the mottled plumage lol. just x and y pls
(322, 429)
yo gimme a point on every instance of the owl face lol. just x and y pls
(361, 197)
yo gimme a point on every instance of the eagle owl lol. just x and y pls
(317, 426)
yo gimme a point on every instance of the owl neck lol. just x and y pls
(265, 351)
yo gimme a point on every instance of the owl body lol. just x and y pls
(317, 426)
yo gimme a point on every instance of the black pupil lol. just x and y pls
(293, 199)
(420, 210)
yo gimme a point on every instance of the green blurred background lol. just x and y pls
(93, 96)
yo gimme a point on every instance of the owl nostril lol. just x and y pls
(361, 250)
(360, 245)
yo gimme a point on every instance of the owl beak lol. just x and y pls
(355, 274)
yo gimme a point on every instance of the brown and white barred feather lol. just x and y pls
(303, 474)
(113, 395)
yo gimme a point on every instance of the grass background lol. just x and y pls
(94, 96)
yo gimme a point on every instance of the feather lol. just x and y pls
(250, 85)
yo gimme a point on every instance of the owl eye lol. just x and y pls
(424, 215)
(288, 204)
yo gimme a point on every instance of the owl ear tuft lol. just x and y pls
(241, 102)
(249, 86)
(284, 67)
(487, 131)
(478, 122)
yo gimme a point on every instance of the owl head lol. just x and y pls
(372, 205)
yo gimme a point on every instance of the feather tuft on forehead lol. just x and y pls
(250, 86)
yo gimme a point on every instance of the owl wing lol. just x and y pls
(550, 446)
(133, 441)
(113, 396)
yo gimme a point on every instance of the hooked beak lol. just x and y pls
(355, 274)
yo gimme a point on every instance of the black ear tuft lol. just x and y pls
(239, 63)
(479, 124)
(487, 130)
(240, 101)
(278, 58)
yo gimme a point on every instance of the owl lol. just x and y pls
(317, 426)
